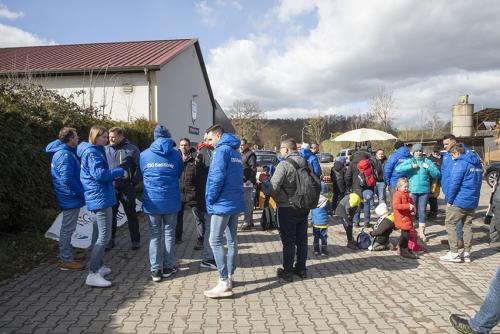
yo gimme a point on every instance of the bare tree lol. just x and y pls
(247, 118)
(434, 123)
(315, 128)
(383, 107)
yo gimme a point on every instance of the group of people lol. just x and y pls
(104, 171)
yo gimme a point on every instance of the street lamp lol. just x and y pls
(305, 126)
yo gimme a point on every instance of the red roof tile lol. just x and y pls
(84, 57)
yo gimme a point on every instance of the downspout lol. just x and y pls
(150, 110)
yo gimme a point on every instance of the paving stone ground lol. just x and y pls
(348, 292)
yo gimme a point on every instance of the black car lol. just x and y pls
(266, 158)
(324, 157)
(491, 173)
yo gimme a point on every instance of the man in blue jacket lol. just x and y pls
(224, 199)
(391, 177)
(65, 171)
(462, 197)
(306, 153)
(161, 166)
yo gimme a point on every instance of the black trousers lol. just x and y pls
(293, 233)
(127, 197)
(404, 238)
(433, 204)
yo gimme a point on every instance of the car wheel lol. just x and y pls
(491, 178)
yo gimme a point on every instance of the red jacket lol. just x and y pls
(402, 214)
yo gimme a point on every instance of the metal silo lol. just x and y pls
(462, 124)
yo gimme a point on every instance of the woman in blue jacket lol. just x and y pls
(97, 180)
(161, 166)
(419, 171)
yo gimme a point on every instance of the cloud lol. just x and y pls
(428, 53)
(7, 14)
(208, 13)
(14, 37)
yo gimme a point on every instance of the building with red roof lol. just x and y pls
(164, 81)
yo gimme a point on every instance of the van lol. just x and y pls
(347, 153)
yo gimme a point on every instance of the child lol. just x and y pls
(320, 221)
(265, 184)
(346, 209)
(382, 229)
(404, 209)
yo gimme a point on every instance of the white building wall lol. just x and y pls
(105, 92)
(177, 82)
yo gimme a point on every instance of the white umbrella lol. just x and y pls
(363, 134)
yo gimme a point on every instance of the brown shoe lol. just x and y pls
(460, 244)
(80, 255)
(71, 265)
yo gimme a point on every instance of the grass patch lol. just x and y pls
(21, 252)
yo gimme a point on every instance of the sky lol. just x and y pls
(300, 58)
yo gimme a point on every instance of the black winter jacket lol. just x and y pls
(188, 178)
(337, 175)
(351, 174)
(202, 166)
(125, 155)
(249, 163)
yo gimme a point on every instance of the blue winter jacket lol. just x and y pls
(446, 166)
(464, 186)
(161, 166)
(319, 215)
(390, 175)
(97, 178)
(224, 193)
(312, 160)
(65, 171)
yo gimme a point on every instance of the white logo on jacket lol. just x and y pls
(159, 165)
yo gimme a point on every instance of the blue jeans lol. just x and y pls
(158, 225)
(489, 313)
(421, 204)
(320, 234)
(68, 226)
(248, 197)
(101, 234)
(380, 192)
(227, 224)
(207, 253)
(367, 196)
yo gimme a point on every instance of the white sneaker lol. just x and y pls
(451, 257)
(95, 279)
(104, 271)
(466, 257)
(221, 290)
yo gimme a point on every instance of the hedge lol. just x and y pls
(31, 117)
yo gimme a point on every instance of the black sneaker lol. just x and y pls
(136, 245)
(178, 241)
(110, 245)
(287, 277)
(199, 245)
(461, 324)
(302, 273)
(167, 272)
(156, 275)
(208, 264)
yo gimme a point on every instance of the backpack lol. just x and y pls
(308, 187)
(268, 219)
(364, 240)
(365, 176)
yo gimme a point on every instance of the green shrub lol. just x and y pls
(30, 118)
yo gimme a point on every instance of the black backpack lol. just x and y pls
(308, 187)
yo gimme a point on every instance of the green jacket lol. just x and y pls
(419, 178)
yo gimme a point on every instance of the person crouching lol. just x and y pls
(382, 229)
(346, 209)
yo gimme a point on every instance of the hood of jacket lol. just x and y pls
(305, 153)
(162, 146)
(338, 166)
(358, 156)
(230, 140)
(471, 157)
(57, 145)
(403, 152)
(82, 147)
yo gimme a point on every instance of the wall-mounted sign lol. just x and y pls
(193, 130)
(194, 108)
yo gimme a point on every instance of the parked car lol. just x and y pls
(347, 153)
(324, 157)
(491, 173)
(266, 158)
